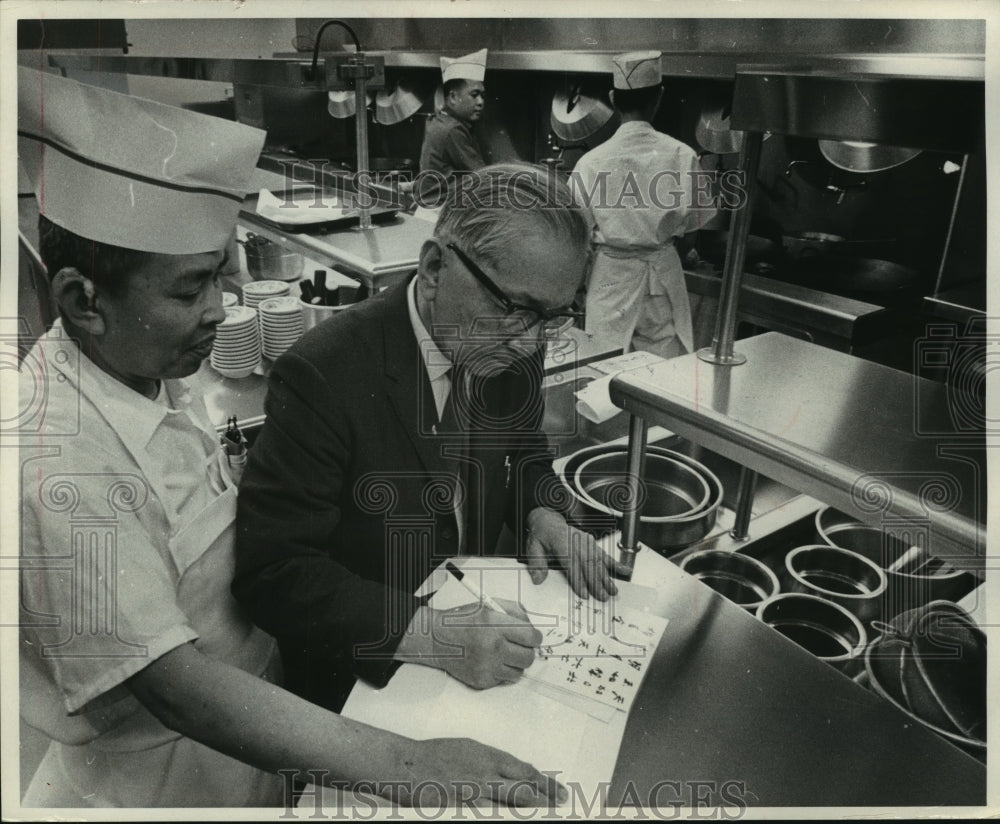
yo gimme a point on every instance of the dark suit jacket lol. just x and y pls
(345, 505)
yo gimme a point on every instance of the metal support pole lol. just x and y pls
(744, 504)
(721, 350)
(951, 225)
(361, 134)
(632, 506)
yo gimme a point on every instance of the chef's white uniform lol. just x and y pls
(127, 528)
(642, 193)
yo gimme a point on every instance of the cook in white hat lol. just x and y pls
(450, 147)
(163, 699)
(637, 294)
(636, 70)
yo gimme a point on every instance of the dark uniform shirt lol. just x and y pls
(449, 148)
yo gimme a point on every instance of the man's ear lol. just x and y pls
(77, 300)
(429, 267)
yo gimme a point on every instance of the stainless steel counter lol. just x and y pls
(731, 709)
(379, 256)
(866, 439)
(830, 320)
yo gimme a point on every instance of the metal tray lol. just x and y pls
(352, 217)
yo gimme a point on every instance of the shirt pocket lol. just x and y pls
(200, 532)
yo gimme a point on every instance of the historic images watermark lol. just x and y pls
(665, 800)
(666, 190)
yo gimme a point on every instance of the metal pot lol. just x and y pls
(740, 578)
(670, 489)
(662, 533)
(824, 628)
(838, 575)
(269, 261)
(886, 665)
(909, 586)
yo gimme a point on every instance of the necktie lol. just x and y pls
(455, 423)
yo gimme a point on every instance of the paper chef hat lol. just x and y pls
(132, 172)
(637, 70)
(470, 67)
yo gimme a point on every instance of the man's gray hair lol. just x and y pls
(488, 211)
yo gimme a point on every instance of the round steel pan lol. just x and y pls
(906, 587)
(839, 575)
(740, 578)
(824, 628)
(663, 534)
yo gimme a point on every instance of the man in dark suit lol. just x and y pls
(407, 430)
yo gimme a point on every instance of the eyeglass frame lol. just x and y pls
(542, 316)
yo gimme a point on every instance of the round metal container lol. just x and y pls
(838, 575)
(269, 261)
(740, 578)
(886, 667)
(670, 488)
(824, 628)
(661, 533)
(905, 590)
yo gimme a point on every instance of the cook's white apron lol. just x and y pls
(637, 296)
(138, 762)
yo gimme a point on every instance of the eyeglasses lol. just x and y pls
(552, 321)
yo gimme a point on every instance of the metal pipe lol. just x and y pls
(951, 224)
(744, 504)
(721, 350)
(632, 505)
(362, 172)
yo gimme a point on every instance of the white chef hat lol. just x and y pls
(637, 70)
(470, 67)
(131, 172)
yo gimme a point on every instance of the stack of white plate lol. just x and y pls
(260, 290)
(280, 324)
(236, 352)
(230, 299)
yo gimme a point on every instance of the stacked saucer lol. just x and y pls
(230, 299)
(260, 290)
(236, 352)
(280, 324)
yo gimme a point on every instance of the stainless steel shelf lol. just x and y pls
(864, 438)
(290, 69)
(867, 98)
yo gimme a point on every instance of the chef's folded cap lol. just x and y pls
(470, 67)
(636, 70)
(131, 172)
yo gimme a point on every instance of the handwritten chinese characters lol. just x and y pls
(598, 651)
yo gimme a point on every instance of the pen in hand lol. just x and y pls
(466, 581)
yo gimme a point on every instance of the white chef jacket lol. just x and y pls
(127, 513)
(642, 191)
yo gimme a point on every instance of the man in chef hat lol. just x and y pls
(450, 147)
(641, 187)
(161, 697)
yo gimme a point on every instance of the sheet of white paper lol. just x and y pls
(521, 718)
(594, 650)
(594, 401)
